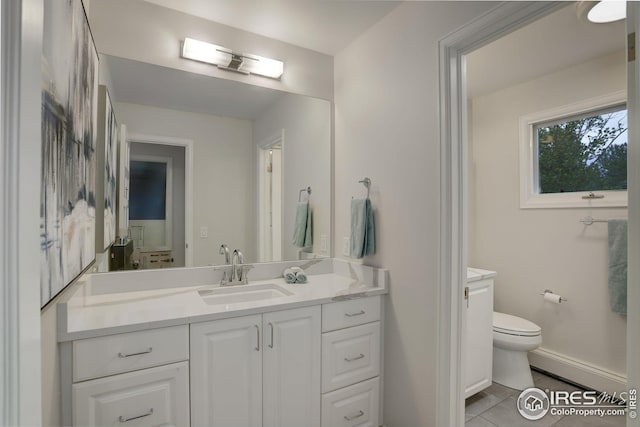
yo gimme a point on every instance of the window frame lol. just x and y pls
(529, 196)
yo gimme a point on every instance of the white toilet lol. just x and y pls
(513, 337)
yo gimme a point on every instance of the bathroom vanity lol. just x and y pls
(478, 354)
(172, 347)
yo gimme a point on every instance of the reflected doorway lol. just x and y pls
(157, 205)
(270, 199)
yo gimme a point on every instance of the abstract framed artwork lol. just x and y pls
(68, 174)
(108, 147)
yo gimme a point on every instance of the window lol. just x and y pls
(575, 150)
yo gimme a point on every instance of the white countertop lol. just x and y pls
(92, 310)
(475, 274)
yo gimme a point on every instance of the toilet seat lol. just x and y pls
(513, 325)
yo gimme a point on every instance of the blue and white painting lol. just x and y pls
(110, 170)
(69, 127)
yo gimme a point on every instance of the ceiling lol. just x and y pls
(325, 26)
(557, 41)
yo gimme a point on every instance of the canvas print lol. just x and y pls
(110, 166)
(69, 110)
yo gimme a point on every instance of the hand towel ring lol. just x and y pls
(308, 190)
(367, 183)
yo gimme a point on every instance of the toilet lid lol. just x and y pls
(513, 325)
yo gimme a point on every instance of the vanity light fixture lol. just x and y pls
(602, 12)
(226, 59)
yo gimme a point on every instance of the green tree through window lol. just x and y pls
(583, 154)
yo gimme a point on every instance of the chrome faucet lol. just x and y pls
(237, 263)
(227, 274)
(234, 270)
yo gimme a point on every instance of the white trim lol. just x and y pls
(188, 184)
(578, 371)
(168, 202)
(529, 196)
(499, 21)
(633, 171)
(261, 147)
(21, 23)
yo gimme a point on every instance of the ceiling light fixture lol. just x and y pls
(226, 59)
(602, 12)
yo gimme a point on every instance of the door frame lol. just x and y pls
(497, 22)
(21, 24)
(188, 183)
(275, 139)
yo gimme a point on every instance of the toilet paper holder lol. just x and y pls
(548, 291)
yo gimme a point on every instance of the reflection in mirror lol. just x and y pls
(253, 149)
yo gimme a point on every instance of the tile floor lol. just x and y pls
(496, 407)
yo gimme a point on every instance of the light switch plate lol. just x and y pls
(204, 232)
(324, 243)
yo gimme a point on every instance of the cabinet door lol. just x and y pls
(479, 339)
(149, 397)
(291, 363)
(226, 373)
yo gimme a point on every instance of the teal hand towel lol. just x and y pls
(618, 265)
(362, 239)
(303, 227)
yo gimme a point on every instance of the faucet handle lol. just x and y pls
(244, 268)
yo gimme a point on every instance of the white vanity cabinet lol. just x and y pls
(351, 360)
(261, 370)
(479, 334)
(139, 378)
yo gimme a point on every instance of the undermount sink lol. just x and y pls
(243, 293)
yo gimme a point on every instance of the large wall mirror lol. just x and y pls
(254, 156)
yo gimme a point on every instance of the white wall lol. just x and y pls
(535, 249)
(149, 33)
(306, 161)
(223, 162)
(386, 127)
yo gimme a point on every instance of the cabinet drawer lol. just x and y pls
(150, 397)
(114, 354)
(356, 405)
(350, 355)
(343, 314)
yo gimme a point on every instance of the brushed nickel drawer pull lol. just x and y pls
(123, 355)
(360, 313)
(351, 359)
(257, 337)
(124, 420)
(271, 326)
(353, 417)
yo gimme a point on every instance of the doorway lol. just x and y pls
(270, 154)
(453, 240)
(162, 232)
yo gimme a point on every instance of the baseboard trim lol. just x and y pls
(578, 371)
